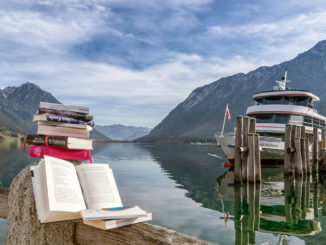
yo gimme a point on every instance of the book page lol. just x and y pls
(63, 187)
(98, 185)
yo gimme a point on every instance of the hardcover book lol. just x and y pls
(62, 190)
(61, 119)
(61, 107)
(111, 224)
(41, 151)
(113, 213)
(59, 141)
(85, 117)
(66, 125)
(63, 131)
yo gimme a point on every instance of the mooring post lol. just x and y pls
(293, 136)
(257, 159)
(308, 168)
(298, 157)
(287, 150)
(252, 125)
(251, 158)
(245, 132)
(315, 150)
(237, 153)
(323, 150)
(303, 149)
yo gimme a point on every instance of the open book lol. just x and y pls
(62, 190)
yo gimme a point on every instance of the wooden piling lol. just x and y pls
(308, 165)
(304, 151)
(251, 158)
(245, 132)
(315, 150)
(298, 155)
(237, 153)
(287, 150)
(303, 155)
(323, 150)
(252, 125)
(257, 159)
(293, 136)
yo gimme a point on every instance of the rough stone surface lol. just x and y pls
(23, 226)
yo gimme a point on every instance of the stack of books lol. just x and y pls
(63, 132)
(64, 191)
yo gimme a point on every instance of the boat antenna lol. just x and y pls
(282, 83)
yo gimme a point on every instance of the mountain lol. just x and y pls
(18, 106)
(201, 114)
(122, 132)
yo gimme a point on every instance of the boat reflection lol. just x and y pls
(287, 207)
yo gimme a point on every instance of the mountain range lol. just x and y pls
(18, 106)
(122, 132)
(200, 115)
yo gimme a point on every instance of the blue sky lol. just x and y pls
(133, 61)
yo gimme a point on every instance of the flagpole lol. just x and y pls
(227, 105)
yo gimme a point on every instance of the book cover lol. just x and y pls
(63, 131)
(111, 224)
(85, 117)
(113, 213)
(41, 151)
(61, 119)
(61, 107)
(59, 141)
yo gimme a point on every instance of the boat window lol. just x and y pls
(281, 118)
(263, 118)
(259, 101)
(272, 100)
(296, 119)
(285, 100)
(307, 121)
(271, 118)
(313, 122)
(302, 101)
(289, 100)
(316, 122)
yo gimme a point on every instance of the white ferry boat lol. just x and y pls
(273, 110)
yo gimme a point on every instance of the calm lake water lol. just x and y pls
(188, 190)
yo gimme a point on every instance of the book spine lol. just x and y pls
(61, 107)
(40, 140)
(40, 151)
(62, 131)
(85, 117)
(71, 120)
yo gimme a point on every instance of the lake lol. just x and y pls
(188, 190)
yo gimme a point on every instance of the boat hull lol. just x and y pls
(270, 152)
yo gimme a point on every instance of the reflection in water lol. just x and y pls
(286, 207)
(190, 191)
(12, 160)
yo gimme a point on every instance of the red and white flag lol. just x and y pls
(228, 112)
